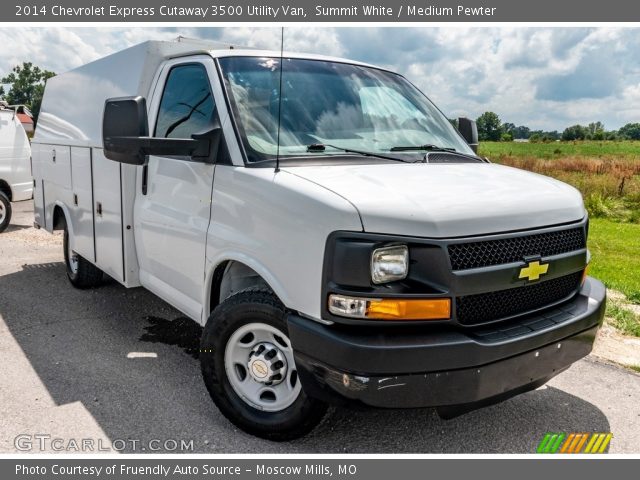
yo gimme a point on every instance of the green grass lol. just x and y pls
(623, 319)
(635, 367)
(597, 149)
(615, 250)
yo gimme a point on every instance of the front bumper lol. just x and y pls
(456, 368)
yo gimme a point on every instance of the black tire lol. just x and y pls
(87, 275)
(6, 207)
(250, 306)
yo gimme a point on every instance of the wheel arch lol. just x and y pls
(60, 217)
(234, 274)
(6, 189)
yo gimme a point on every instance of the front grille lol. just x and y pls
(487, 307)
(508, 250)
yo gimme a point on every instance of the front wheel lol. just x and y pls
(81, 272)
(5, 212)
(248, 367)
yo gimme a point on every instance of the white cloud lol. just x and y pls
(545, 78)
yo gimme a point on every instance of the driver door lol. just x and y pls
(173, 204)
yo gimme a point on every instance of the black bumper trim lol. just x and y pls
(444, 367)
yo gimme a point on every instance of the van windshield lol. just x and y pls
(330, 106)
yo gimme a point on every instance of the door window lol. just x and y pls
(187, 103)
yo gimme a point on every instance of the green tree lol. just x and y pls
(26, 86)
(508, 127)
(611, 135)
(596, 128)
(489, 127)
(521, 132)
(631, 131)
(575, 132)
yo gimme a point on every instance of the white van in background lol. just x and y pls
(16, 182)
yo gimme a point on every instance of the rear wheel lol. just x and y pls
(5, 212)
(249, 369)
(81, 273)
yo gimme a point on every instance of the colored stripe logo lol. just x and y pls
(574, 443)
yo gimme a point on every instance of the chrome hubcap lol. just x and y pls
(267, 364)
(3, 212)
(260, 367)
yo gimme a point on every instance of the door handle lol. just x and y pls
(145, 175)
(99, 208)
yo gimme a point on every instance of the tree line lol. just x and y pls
(491, 128)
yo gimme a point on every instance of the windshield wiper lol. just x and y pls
(419, 148)
(321, 147)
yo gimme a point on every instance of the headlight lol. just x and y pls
(389, 263)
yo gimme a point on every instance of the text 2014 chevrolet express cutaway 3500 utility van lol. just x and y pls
(339, 240)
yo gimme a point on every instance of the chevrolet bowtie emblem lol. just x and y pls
(533, 271)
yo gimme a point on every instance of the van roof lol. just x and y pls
(276, 53)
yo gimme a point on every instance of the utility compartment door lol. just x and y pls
(38, 184)
(82, 209)
(107, 209)
(57, 165)
(56, 187)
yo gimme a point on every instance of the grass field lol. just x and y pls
(615, 260)
(615, 250)
(625, 150)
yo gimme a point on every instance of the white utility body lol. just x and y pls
(16, 183)
(333, 207)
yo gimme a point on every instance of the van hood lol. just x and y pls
(448, 200)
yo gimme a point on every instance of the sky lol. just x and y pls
(544, 78)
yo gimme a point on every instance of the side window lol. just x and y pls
(187, 102)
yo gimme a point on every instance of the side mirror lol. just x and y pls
(125, 135)
(469, 131)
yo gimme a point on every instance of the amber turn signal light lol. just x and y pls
(412, 309)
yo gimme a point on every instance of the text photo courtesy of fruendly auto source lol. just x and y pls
(317, 239)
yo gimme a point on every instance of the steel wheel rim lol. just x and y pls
(72, 259)
(273, 397)
(3, 212)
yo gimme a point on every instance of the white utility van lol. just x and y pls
(16, 183)
(336, 237)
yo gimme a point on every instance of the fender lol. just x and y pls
(233, 256)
